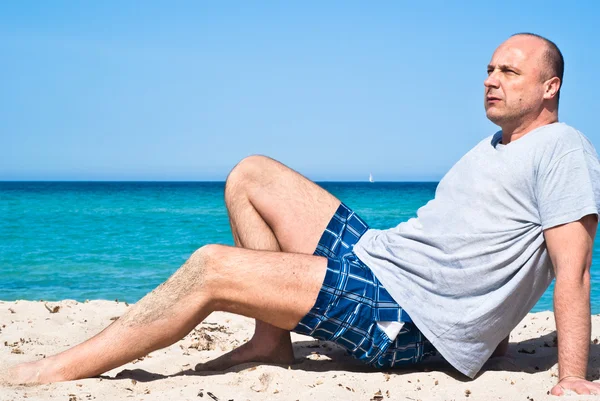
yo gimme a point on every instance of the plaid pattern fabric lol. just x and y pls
(352, 301)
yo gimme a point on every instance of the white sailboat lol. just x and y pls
(371, 177)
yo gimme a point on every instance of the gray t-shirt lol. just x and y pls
(474, 262)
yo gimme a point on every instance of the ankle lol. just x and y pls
(49, 370)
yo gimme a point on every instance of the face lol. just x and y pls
(514, 88)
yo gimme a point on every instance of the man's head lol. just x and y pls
(524, 79)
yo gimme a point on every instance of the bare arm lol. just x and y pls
(570, 248)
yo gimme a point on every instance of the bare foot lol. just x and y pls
(22, 374)
(255, 350)
(30, 373)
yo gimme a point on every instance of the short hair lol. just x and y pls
(554, 59)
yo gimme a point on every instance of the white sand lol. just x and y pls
(28, 331)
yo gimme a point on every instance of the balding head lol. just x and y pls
(554, 63)
(524, 78)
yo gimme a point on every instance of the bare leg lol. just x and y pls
(260, 284)
(272, 207)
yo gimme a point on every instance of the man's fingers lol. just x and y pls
(580, 387)
(594, 388)
(557, 390)
(588, 388)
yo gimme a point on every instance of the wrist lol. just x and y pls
(572, 376)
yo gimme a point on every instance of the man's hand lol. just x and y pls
(576, 384)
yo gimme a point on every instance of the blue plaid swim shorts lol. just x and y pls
(352, 301)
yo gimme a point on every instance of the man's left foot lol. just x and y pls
(30, 373)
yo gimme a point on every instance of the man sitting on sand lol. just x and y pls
(516, 211)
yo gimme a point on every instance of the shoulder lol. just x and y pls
(556, 140)
(557, 132)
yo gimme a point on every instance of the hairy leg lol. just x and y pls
(260, 284)
(272, 207)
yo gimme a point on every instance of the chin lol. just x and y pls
(496, 118)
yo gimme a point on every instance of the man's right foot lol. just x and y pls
(255, 350)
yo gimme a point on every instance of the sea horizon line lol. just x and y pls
(204, 181)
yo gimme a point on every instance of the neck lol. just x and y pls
(512, 132)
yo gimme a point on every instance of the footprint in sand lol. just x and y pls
(265, 380)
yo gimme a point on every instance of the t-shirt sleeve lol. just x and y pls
(568, 189)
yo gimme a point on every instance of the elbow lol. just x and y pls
(574, 273)
(574, 281)
(586, 276)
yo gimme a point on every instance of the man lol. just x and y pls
(517, 209)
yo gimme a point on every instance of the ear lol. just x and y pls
(551, 87)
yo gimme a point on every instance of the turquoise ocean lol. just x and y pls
(119, 240)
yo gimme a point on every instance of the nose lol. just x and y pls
(491, 81)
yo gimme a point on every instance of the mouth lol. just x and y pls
(491, 99)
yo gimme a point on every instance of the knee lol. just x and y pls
(206, 255)
(208, 258)
(210, 263)
(249, 168)
(247, 173)
(197, 273)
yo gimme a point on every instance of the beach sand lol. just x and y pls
(29, 331)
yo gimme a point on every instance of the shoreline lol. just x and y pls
(30, 330)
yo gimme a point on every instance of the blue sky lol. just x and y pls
(183, 90)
